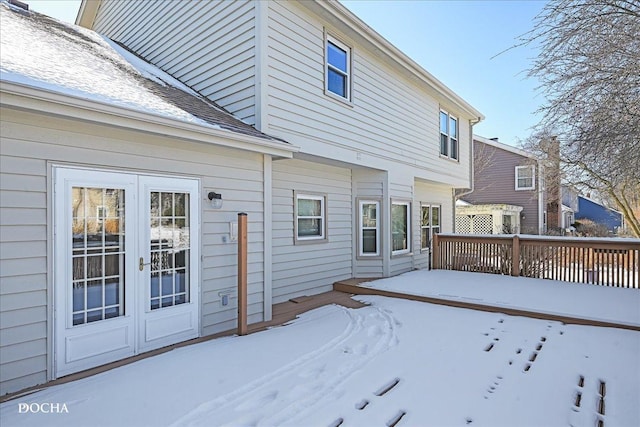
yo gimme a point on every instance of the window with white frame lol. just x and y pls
(310, 217)
(448, 135)
(400, 228)
(525, 177)
(369, 230)
(429, 223)
(338, 68)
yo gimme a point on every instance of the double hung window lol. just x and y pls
(338, 68)
(310, 217)
(369, 232)
(525, 177)
(448, 135)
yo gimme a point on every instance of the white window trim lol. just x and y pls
(533, 177)
(323, 208)
(331, 39)
(408, 205)
(430, 206)
(449, 138)
(361, 228)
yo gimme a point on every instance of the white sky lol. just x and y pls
(454, 41)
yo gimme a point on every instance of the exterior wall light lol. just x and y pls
(215, 199)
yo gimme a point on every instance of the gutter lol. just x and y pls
(25, 97)
(472, 123)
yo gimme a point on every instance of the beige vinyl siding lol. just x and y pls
(23, 269)
(392, 120)
(434, 194)
(209, 45)
(29, 141)
(307, 269)
(369, 185)
(402, 192)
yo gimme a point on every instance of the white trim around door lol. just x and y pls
(126, 265)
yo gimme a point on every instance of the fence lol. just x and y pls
(609, 262)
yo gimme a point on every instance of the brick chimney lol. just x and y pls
(552, 179)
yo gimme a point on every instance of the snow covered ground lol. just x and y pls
(395, 361)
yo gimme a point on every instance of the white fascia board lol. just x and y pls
(504, 146)
(344, 15)
(87, 13)
(53, 103)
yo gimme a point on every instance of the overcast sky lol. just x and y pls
(453, 40)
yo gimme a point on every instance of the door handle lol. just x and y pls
(142, 264)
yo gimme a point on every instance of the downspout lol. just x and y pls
(541, 198)
(472, 123)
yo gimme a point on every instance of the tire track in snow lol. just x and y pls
(294, 389)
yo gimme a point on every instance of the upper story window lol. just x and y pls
(525, 177)
(338, 68)
(429, 224)
(310, 218)
(400, 228)
(448, 135)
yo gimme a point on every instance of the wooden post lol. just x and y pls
(435, 253)
(515, 255)
(242, 273)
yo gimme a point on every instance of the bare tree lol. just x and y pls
(589, 69)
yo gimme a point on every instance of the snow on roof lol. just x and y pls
(48, 54)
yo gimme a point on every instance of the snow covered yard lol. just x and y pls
(395, 361)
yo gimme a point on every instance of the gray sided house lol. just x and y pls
(344, 153)
(508, 183)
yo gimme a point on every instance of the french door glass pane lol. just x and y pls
(170, 249)
(97, 254)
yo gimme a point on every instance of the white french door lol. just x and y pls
(126, 265)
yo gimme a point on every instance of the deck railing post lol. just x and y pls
(515, 255)
(435, 252)
(242, 274)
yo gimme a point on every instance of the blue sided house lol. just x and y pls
(594, 211)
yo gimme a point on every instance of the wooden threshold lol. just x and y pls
(348, 286)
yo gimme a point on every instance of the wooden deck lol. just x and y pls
(282, 313)
(351, 286)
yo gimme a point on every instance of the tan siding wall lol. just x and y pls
(392, 121)
(368, 184)
(308, 269)
(402, 191)
(28, 141)
(23, 269)
(209, 45)
(434, 194)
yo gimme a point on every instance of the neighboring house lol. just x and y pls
(569, 207)
(487, 219)
(111, 244)
(507, 193)
(596, 212)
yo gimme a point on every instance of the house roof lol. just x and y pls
(503, 146)
(40, 52)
